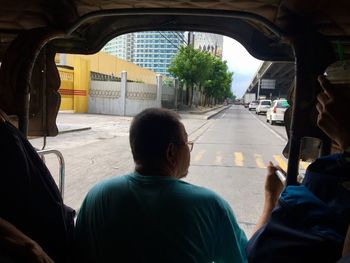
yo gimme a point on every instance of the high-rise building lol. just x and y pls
(122, 47)
(209, 42)
(152, 49)
(155, 49)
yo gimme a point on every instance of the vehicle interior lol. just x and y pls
(314, 34)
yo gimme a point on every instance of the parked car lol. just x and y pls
(253, 104)
(276, 112)
(263, 106)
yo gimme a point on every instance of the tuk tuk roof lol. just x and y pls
(261, 26)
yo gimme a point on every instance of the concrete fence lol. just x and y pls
(123, 98)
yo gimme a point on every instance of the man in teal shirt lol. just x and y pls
(150, 215)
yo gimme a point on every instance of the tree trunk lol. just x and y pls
(187, 94)
(201, 97)
(192, 90)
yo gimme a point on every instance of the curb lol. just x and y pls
(216, 113)
(74, 130)
(204, 111)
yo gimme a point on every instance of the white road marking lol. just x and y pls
(270, 129)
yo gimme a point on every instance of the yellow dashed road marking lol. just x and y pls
(199, 156)
(218, 157)
(280, 162)
(259, 161)
(238, 158)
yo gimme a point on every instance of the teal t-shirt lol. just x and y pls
(136, 218)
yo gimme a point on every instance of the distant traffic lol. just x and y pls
(274, 110)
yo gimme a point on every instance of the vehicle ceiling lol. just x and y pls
(263, 27)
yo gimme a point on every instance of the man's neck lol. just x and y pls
(149, 171)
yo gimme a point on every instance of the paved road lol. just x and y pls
(229, 156)
(279, 128)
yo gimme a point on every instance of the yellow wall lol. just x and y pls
(81, 84)
(67, 88)
(107, 64)
(75, 83)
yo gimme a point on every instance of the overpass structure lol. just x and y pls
(272, 80)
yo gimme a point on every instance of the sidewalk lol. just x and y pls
(65, 126)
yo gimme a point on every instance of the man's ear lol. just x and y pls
(171, 153)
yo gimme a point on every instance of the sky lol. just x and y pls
(241, 63)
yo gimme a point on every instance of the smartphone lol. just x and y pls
(281, 176)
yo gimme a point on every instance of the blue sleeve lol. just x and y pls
(231, 241)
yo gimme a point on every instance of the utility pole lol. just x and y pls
(189, 95)
(259, 86)
(190, 39)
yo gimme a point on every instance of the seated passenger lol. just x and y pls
(16, 247)
(310, 221)
(150, 215)
(334, 120)
(29, 197)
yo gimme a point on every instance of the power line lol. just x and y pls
(176, 33)
(182, 38)
(168, 40)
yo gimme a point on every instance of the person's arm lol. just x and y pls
(231, 242)
(273, 189)
(333, 117)
(18, 243)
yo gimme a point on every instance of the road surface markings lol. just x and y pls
(269, 128)
(238, 158)
(280, 162)
(199, 156)
(259, 161)
(218, 157)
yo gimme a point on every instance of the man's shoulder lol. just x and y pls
(202, 193)
(110, 184)
(195, 188)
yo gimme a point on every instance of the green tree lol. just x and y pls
(192, 67)
(218, 84)
(202, 70)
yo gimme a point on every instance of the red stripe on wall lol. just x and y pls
(72, 92)
(80, 92)
(65, 91)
